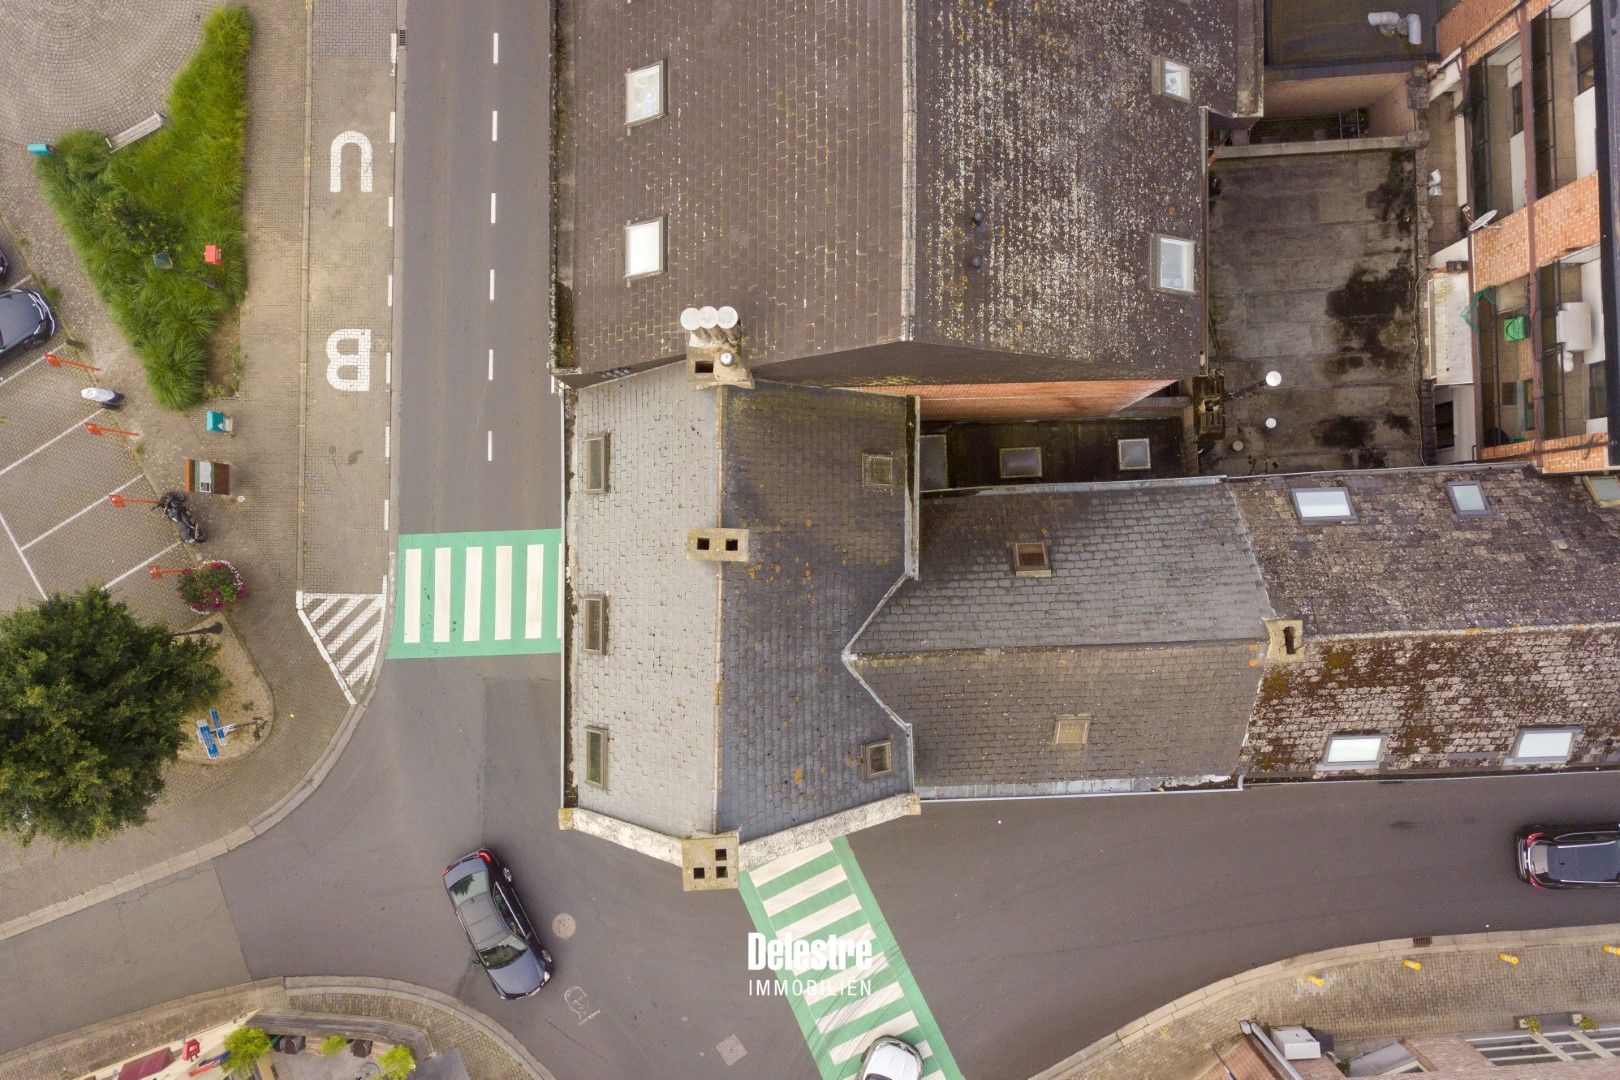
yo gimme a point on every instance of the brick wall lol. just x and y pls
(1470, 24)
(1025, 401)
(1575, 454)
(1566, 221)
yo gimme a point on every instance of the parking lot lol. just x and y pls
(59, 530)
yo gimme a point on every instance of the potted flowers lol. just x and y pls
(212, 587)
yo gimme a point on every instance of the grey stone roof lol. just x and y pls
(1444, 700)
(803, 182)
(1131, 564)
(984, 720)
(824, 549)
(1545, 555)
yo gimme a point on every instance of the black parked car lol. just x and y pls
(5, 268)
(1569, 856)
(502, 937)
(25, 320)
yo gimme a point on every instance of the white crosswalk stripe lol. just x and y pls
(348, 631)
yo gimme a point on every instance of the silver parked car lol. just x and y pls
(889, 1058)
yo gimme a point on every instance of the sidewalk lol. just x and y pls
(206, 810)
(1368, 996)
(431, 1023)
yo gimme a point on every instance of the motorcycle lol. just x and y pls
(173, 504)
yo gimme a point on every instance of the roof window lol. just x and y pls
(1544, 746)
(1134, 454)
(1323, 504)
(1173, 263)
(644, 94)
(596, 463)
(877, 471)
(1468, 499)
(1029, 560)
(1605, 490)
(1020, 462)
(878, 758)
(644, 248)
(1071, 730)
(596, 756)
(1172, 78)
(1353, 752)
(594, 634)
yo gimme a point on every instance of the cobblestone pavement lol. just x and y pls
(205, 809)
(1368, 996)
(432, 1024)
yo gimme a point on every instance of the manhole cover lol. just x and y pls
(563, 926)
(731, 1051)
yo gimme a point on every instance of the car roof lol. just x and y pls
(1595, 861)
(18, 316)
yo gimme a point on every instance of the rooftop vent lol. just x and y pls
(1029, 560)
(717, 545)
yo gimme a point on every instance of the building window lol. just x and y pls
(878, 758)
(1173, 263)
(1029, 560)
(1021, 463)
(1468, 499)
(1172, 79)
(644, 248)
(1597, 389)
(596, 756)
(1135, 454)
(1445, 425)
(1605, 490)
(1585, 69)
(877, 471)
(1353, 752)
(594, 637)
(1544, 746)
(644, 94)
(1071, 730)
(596, 463)
(1323, 504)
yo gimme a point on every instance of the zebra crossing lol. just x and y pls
(478, 594)
(820, 892)
(348, 630)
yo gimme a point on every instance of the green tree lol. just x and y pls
(91, 703)
(247, 1045)
(397, 1063)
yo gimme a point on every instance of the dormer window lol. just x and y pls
(1172, 78)
(644, 94)
(1173, 258)
(1029, 560)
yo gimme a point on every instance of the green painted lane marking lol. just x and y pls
(477, 594)
(822, 892)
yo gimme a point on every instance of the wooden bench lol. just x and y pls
(137, 131)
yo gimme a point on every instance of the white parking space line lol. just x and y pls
(142, 565)
(413, 596)
(68, 521)
(48, 442)
(494, 125)
(472, 608)
(492, 208)
(495, 53)
(26, 564)
(25, 367)
(503, 592)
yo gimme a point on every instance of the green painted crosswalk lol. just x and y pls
(820, 892)
(478, 594)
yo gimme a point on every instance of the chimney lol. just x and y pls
(714, 347)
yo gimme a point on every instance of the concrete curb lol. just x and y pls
(1295, 967)
(52, 1056)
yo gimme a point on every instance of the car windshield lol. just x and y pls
(474, 883)
(503, 952)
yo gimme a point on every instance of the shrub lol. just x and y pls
(397, 1063)
(215, 585)
(246, 1045)
(333, 1045)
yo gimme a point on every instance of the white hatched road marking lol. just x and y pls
(442, 584)
(413, 596)
(348, 631)
(871, 1003)
(472, 612)
(848, 1049)
(774, 869)
(804, 890)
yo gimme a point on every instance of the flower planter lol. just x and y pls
(210, 600)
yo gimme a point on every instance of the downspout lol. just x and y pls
(1527, 105)
(1606, 65)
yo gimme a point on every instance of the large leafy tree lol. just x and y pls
(91, 703)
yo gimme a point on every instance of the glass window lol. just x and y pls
(595, 630)
(1323, 504)
(1020, 462)
(1353, 750)
(1605, 490)
(1029, 560)
(1585, 69)
(1468, 499)
(644, 94)
(1544, 744)
(1135, 454)
(596, 463)
(1173, 263)
(1445, 425)
(1597, 389)
(596, 756)
(1172, 78)
(1071, 730)
(644, 248)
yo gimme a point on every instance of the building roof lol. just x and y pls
(1128, 566)
(1543, 555)
(819, 167)
(722, 691)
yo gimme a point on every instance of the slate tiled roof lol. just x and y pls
(1131, 564)
(1444, 700)
(824, 549)
(984, 720)
(1545, 555)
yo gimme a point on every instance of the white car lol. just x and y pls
(890, 1058)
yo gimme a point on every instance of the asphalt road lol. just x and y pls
(1033, 927)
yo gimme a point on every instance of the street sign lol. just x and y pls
(206, 734)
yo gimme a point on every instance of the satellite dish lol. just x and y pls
(690, 319)
(728, 317)
(1483, 220)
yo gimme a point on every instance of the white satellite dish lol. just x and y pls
(1483, 220)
